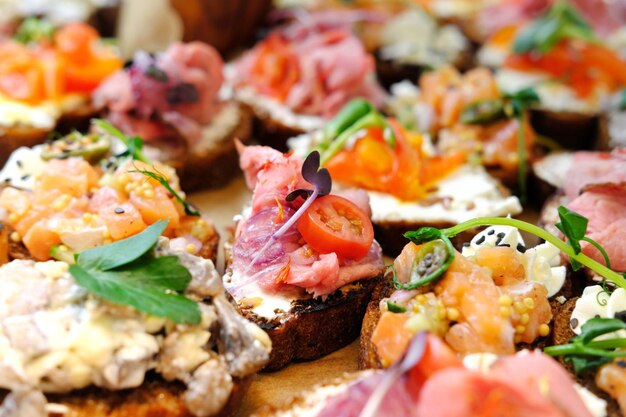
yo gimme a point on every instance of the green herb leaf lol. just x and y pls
(134, 145)
(33, 30)
(124, 251)
(189, 210)
(583, 364)
(483, 112)
(543, 34)
(597, 327)
(423, 234)
(346, 117)
(518, 102)
(431, 261)
(573, 226)
(125, 272)
(395, 308)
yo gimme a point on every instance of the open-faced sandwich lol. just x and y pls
(560, 56)
(303, 262)
(46, 78)
(613, 122)
(171, 100)
(139, 327)
(430, 380)
(413, 41)
(82, 191)
(409, 184)
(468, 112)
(300, 76)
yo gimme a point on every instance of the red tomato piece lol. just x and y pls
(334, 224)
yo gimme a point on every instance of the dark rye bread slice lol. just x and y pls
(571, 130)
(270, 131)
(154, 398)
(561, 334)
(213, 164)
(312, 328)
(14, 137)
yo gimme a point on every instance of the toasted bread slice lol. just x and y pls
(310, 328)
(214, 161)
(572, 130)
(156, 397)
(14, 137)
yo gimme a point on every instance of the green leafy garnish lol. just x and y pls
(126, 272)
(395, 308)
(33, 30)
(561, 22)
(134, 145)
(189, 210)
(572, 221)
(355, 116)
(585, 353)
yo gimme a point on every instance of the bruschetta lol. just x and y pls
(303, 262)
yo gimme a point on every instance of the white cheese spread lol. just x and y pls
(260, 302)
(595, 302)
(23, 167)
(541, 263)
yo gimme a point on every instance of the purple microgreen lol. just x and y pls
(322, 184)
(412, 357)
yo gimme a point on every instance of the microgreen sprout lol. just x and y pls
(571, 225)
(585, 353)
(322, 185)
(134, 145)
(162, 179)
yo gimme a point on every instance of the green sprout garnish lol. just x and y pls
(573, 226)
(585, 353)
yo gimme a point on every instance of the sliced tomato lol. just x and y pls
(437, 356)
(335, 224)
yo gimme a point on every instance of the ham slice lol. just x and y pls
(158, 96)
(589, 169)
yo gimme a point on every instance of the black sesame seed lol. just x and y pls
(490, 232)
(25, 177)
(119, 210)
(19, 163)
(466, 244)
(597, 316)
(480, 240)
(498, 241)
(7, 180)
(500, 235)
(521, 248)
(573, 323)
(504, 245)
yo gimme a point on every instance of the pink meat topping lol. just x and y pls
(595, 168)
(288, 263)
(332, 68)
(176, 91)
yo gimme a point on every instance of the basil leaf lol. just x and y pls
(122, 252)
(573, 226)
(149, 285)
(598, 327)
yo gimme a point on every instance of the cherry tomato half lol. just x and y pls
(334, 224)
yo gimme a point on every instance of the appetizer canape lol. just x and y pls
(82, 191)
(46, 78)
(431, 381)
(413, 41)
(613, 122)
(469, 112)
(303, 261)
(409, 185)
(491, 297)
(300, 76)
(560, 56)
(171, 100)
(137, 327)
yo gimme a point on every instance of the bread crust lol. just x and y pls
(571, 130)
(269, 131)
(155, 397)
